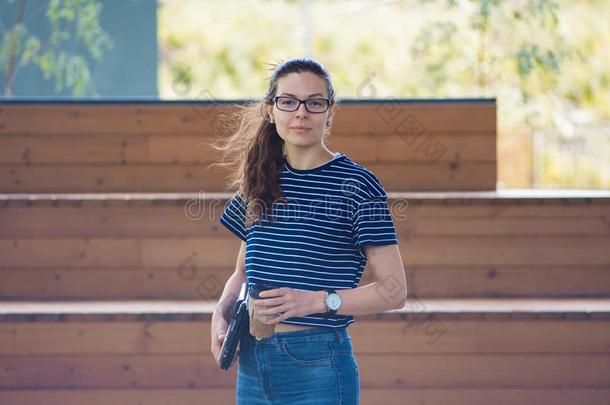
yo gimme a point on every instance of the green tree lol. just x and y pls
(75, 38)
(546, 62)
(545, 74)
(503, 41)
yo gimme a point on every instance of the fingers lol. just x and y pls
(217, 338)
(217, 347)
(273, 311)
(217, 344)
(277, 311)
(282, 295)
(279, 318)
(270, 301)
(274, 292)
(282, 306)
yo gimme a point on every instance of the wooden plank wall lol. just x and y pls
(130, 147)
(162, 246)
(461, 359)
(147, 247)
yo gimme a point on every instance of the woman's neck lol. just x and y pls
(308, 160)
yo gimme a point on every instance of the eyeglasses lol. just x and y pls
(313, 105)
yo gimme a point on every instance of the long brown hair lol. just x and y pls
(254, 151)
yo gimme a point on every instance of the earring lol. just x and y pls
(270, 120)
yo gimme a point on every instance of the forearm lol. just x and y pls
(370, 299)
(228, 298)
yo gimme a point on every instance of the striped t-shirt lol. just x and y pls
(316, 240)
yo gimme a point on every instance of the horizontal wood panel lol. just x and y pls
(100, 243)
(486, 370)
(198, 218)
(416, 118)
(192, 177)
(551, 209)
(184, 281)
(497, 200)
(423, 226)
(87, 148)
(449, 251)
(106, 119)
(190, 281)
(196, 118)
(121, 396)
(390, 371)
(36, 149)
(368, 395)
(109, 252)
(508, 281)
(435, 176)
(481, 336)
(220, 251)
(466, 204)
(148, 147)
(111, 178)
(416, 367)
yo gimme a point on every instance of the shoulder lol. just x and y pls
(362, 181)
(236, 201)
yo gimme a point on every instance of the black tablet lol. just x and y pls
(237, 327)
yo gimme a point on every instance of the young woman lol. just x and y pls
(312, 221)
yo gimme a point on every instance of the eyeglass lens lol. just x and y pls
(293, 104)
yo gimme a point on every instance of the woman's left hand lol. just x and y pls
(287, 302)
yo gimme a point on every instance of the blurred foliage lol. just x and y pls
(75, 38)
(545, 61)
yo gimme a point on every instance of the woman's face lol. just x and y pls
(304, 85)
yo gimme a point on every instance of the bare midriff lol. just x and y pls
(285, 327)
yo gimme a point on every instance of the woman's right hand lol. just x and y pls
(219, 330)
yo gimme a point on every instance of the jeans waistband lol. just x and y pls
(314, 334)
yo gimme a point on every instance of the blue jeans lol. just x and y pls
(309, 366)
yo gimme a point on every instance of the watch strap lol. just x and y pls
(328, 310)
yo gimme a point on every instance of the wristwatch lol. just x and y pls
(332, 301)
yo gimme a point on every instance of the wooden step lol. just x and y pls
(517, 243)
(445, 351)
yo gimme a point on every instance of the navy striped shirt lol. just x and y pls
(316, 240)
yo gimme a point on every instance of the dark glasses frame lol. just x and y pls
(275, 99)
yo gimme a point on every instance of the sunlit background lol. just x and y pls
(546, 62)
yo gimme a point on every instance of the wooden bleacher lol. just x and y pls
(162, 147)
(112, 257)
(458, 352)
(522, 243)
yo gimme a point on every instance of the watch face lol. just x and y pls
(333, 301)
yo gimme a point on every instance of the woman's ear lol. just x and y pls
(269, 111)
(331, 113)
